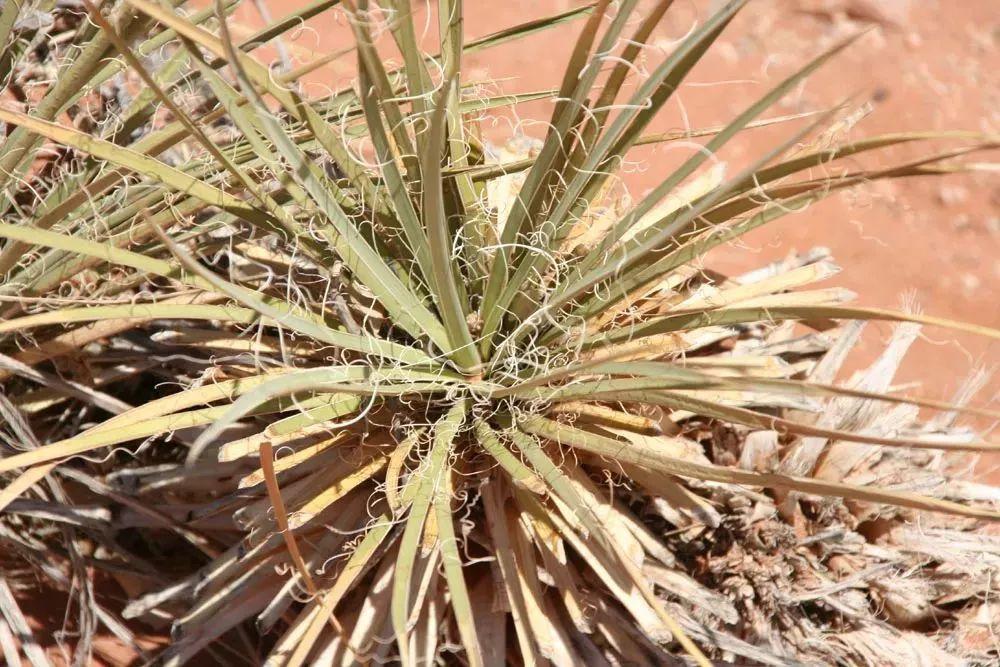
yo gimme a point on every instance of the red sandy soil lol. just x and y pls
(925, 65)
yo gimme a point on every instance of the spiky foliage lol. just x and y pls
(325, 365)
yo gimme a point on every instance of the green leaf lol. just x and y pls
(137, 162)
(580, 76)
(736, 315)
(651, 96)
(518, 471)
(307, 323)
(650, 458)
(407, 310)
(602, 263)
(131, 311)
(406, 214)
(451, 559)
(462, 349)
(330, 380)
(425, 483)
(126, 431)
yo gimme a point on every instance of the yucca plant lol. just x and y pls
(321, 381)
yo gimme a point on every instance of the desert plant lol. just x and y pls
(326, 365)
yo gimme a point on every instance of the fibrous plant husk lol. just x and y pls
(333, 380)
